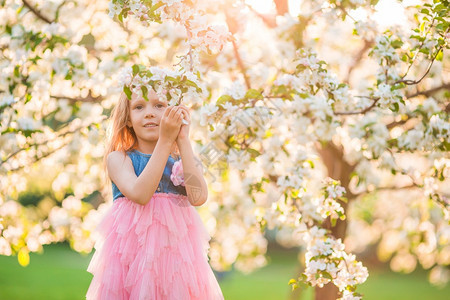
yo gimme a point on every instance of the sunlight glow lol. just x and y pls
(388, 13)
(262, 6)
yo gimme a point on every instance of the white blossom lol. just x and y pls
(237, 90)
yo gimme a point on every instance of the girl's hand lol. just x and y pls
(170, 124)
(184, 131)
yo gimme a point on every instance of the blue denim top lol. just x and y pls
(166, 185)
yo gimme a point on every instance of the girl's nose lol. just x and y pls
(150, 112)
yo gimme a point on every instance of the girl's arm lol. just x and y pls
(195, 183)
(139, 189)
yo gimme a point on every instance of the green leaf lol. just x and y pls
(424, 51)
(327, 275)
(144, 92)
(253, 94)
(223, 99)
(422, 27)
(16, 71)
(439, 7)
(303, 95)
(127, 92)
(68, 75)
(155, 7)
(397, 44)
(440, 55)
(398, 86)
(135, 69)
(27, 98)
(396, 106)
(333, 222)
(253, 151)
(343, 199)
(191, 83)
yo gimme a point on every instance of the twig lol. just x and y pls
(40, 144)
(36, 12)
(412, 82)
(89, 98)
(375, 100)
(418, 49)
(241, 64)
(268, 20)
(358, 57)
(38, 158)
(429, 91)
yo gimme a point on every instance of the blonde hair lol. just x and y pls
(120, 137)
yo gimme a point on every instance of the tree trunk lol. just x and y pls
(333, 158)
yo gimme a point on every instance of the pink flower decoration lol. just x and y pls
(177, 175)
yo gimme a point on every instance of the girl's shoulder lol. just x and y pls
(117, 153)
(117, 162)
(116, 156)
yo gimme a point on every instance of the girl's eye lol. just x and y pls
(160, 105)
(138, 107)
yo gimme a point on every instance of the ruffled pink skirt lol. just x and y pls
(155, 251)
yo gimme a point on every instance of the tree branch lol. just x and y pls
(233, 27)
(375, 100)
(418, 49)
(386, 188)
(412, 82)
(38, 158)
(61, 135)
(431, 91)
(58, 9)
(396, 123)
(358, 59)
(241, 64)
(89, 98)
(269, 20)
(36, 12)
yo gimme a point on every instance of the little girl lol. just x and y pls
(153, 244)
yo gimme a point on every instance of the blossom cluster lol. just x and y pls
(72, 221)
(202, 35)
(327, 205)
(169, 85)
(327, 261)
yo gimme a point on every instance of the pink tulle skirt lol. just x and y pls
(155, 251)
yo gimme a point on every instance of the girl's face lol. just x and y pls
(145, 116)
